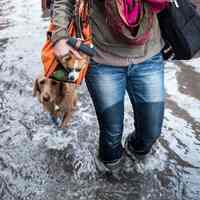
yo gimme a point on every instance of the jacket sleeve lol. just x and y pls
(62, 10)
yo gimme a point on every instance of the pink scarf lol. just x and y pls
(132, 20)
(130, 10)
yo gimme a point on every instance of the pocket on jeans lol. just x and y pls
(155, 63)
(94, 68)
(92, 62)
(156, 58)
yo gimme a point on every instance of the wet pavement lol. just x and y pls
(38, 161)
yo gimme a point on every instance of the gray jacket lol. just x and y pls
(109, 50)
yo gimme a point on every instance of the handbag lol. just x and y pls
(180, 28)
(78, 27)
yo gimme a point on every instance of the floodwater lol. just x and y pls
(38, 161)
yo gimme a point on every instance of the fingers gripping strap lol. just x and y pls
(78, 44)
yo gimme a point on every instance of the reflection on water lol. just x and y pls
(188, 80)
(39, 161)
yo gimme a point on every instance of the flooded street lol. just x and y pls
(39, 161)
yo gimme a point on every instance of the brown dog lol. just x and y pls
(70, 61)
(74, 67)
(57, 97)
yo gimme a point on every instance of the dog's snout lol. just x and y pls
(71, 77)
(46, 97)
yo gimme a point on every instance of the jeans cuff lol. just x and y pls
(111, 156)
(133, 144)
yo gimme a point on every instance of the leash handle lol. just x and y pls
(90, 51)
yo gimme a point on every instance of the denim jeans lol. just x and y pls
(144, 84)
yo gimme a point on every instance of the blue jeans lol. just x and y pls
(144, 84)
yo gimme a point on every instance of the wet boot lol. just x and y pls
(131, 152)
(111, 170)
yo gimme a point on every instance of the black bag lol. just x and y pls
(180, 28)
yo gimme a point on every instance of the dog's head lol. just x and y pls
(70, 61)
(48, 90)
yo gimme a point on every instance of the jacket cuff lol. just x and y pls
(58, 35)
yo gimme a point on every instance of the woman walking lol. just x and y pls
(128, 57)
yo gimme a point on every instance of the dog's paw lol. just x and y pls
(56, 121)
(63, 125)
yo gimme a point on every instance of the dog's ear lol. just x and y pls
(36, 88)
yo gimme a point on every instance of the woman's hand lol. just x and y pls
(61, 49)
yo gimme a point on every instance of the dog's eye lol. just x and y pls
(54, 83)
(42, 82)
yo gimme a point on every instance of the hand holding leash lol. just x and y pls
(62, 49)
(77, 43)
(73, 56)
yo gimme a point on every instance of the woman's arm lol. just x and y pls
(62, 11)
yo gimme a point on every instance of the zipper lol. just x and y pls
(176, 3)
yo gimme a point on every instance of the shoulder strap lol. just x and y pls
(81, 14)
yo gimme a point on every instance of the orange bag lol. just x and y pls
(49, 60)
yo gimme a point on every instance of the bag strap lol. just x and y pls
(79, 6)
